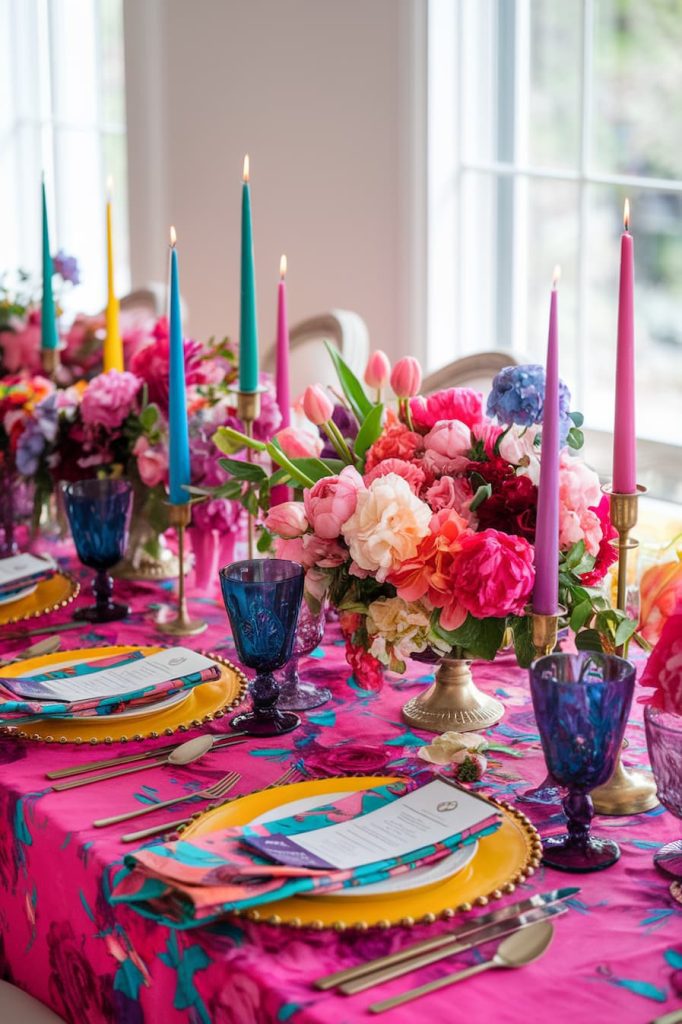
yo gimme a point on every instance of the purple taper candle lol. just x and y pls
(280, 492)
(546, 590)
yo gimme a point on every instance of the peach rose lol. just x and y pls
(287, 520)
(388, 523)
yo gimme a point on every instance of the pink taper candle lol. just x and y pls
(624, 438)
(280, 492)
(546, 590)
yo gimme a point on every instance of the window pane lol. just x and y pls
(476, 256)
(479, 79)
(637, 119)
(657, 230)
(112, 71)
(554, 63)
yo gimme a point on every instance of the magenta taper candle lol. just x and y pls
(280, 492)
(624, 438)
(546, 590)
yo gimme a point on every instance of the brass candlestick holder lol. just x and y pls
(627, 791)
(50, 361)
(248, 411)
(182, 624)
(544, 630)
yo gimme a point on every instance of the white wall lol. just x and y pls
(319, 93)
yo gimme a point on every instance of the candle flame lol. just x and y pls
(282, 266)
(173, 237)
(245, 173)
(626, 215)
(556, 276)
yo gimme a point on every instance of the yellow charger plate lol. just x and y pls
(504, 859)
(50, 595)
(203, 704)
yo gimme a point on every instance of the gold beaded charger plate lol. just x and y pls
(199, 705)
(502, 860)
(48, 596)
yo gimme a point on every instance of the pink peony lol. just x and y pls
(451, 492)
(287, 520)
(451, 404)
(409, 471)
(152, 462)
(299, 444)
(331, 502)
(494, 575)
(311, 551)
(396, 442)
(663, 671)
(447, 445)
(151, 363)
(579, 496)
(109, 398)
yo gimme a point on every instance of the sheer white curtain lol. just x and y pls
(62, 112)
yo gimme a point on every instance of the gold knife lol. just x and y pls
(437, 941)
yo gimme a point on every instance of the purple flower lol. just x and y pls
(67, 267)
(518, 395)
(40, 431)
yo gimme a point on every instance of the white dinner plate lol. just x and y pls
(18, 595)
(417, 879)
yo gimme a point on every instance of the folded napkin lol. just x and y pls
(22, 571)
(14, 707)
(191, 882)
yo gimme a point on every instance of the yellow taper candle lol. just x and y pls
(113, 344)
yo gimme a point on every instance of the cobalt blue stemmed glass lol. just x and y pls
(99, 516)
(581, 703)
(263, 599)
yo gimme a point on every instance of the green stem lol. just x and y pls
(339, 442)
(278, 456)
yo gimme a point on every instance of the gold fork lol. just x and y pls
(219, 789)
(290, 775)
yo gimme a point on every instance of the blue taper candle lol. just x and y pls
(248, 322)
(178, 432)
(49, 338)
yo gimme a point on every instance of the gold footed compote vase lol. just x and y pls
(453, 702)
(627, 791)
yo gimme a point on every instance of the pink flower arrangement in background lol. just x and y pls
(663, 671)
(109, 399)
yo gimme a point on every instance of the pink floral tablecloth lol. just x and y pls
(617, 956)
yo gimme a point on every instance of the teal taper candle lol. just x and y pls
(248, 323)
(49, 339)
(178, 433)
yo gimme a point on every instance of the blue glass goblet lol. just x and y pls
(581, 704)
(263, 599)
(99, 516)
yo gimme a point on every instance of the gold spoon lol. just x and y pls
(517, 950)
(187, 752)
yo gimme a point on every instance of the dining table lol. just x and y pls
(616, 954)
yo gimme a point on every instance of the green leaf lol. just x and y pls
(369, 431)
(624, 631)
(250, 503)
(574, 555)
(280, 476)
(523, 643)
(148, 417)
(479, 638)
(350, 385)
(575, 438)
(580, 615)
(577, 417)
(243, 470)
(589, 640)
(228, 441)
(264, 541)
(482, 493)
(316, 469)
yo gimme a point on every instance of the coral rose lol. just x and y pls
(387, 526)
(450, 404)
(287, 520)
(660, 590)
(409, 471)
(396, 442)
(331, 502)
(494, 575)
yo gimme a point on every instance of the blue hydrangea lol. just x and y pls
(518, 395)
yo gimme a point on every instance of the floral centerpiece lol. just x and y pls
(420, 531)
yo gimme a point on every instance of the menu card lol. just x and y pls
(21, 570)
(83, 681)
(435, 812)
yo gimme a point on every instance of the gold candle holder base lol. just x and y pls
(627, 791)
(453, 702)
(182, 625)
(248, 411)
(544, 630)
(50, 362)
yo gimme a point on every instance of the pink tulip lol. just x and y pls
(378, 370)
(287, 520)
(331, 502)
(317, 405)
(299, 444)
(406, 377)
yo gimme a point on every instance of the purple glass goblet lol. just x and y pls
(581, 704)
(296, 694)
(664, 740)
(547, 794)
